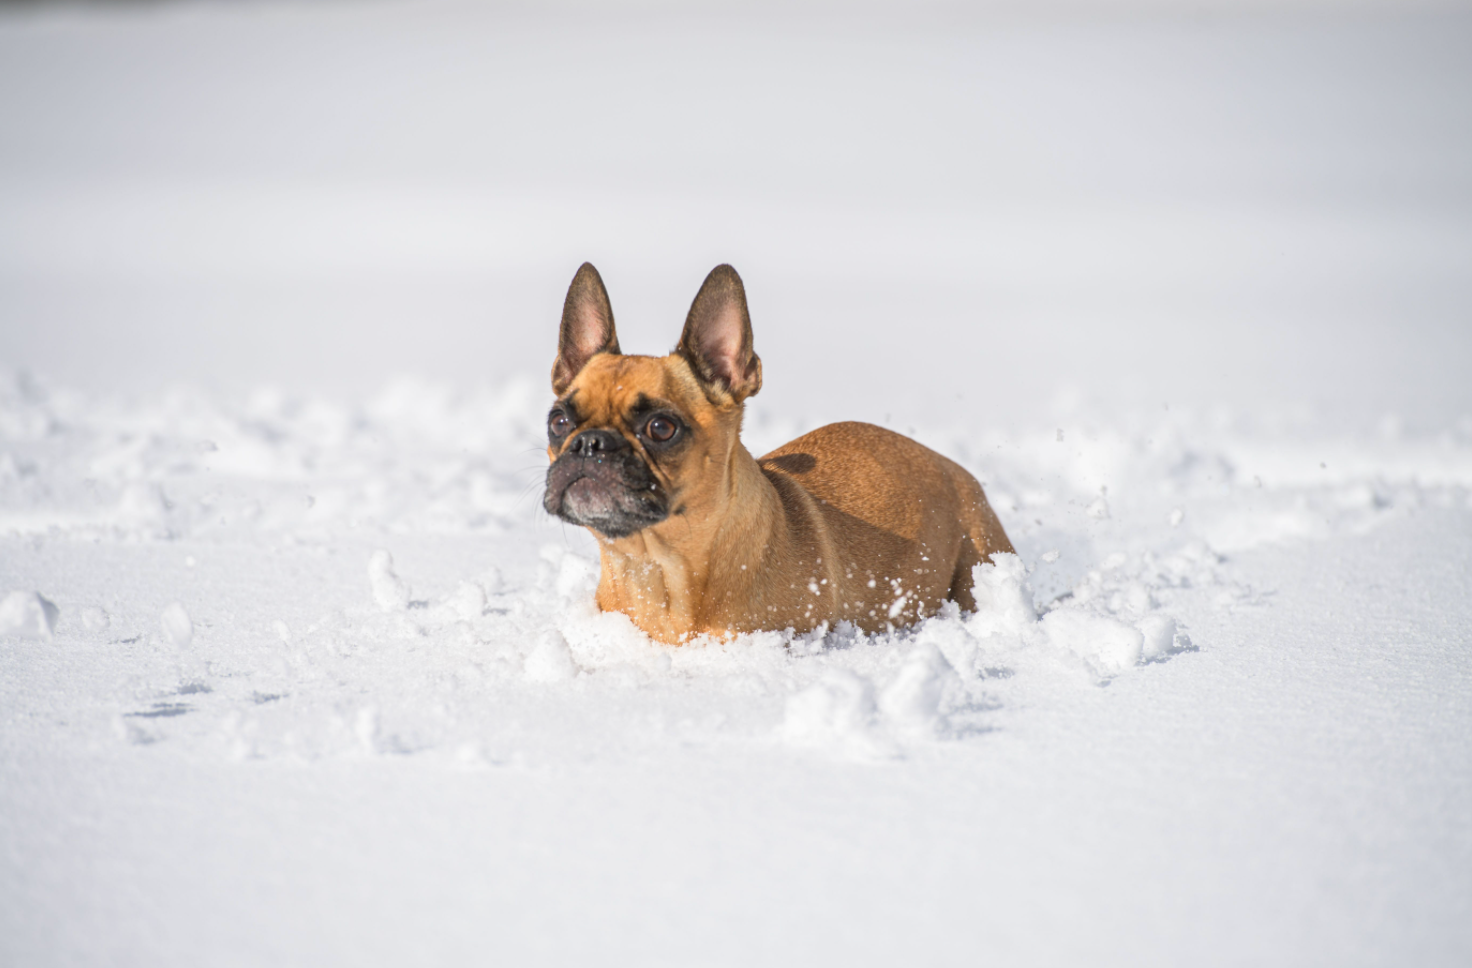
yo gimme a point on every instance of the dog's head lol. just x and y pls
(636, 440)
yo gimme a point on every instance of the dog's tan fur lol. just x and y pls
(850, 522)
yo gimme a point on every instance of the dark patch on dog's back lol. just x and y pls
(791, 463)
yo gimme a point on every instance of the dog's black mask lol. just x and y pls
(601, 482)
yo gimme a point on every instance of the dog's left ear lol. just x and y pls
(717, 338)
(587, 327)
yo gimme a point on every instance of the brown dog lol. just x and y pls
(847, 523)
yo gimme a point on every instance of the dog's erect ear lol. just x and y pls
(587, 327)
(717, 338)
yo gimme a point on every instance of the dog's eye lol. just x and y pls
(660, 429)
(558, 424)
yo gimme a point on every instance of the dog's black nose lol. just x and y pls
(596, 443)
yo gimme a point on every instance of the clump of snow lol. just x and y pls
(27, 615)
(177, 627)
(1003, 600)
(837, 710)
(389, 591)
(550, 660)
(365, 729)
(469, 601)
(1158, 633)
(1107, 645)
(912, 702)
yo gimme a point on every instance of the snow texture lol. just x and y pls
(27, 615)
(1130, 705)
(294, 669)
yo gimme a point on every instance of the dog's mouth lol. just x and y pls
(615, 495)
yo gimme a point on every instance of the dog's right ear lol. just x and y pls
(587, 327)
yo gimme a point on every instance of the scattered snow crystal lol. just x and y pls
(27, 615)
(389, 591)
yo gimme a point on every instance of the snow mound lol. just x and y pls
(27, 615)
(838, 710)
(550, 660)
(391, 594)
(177, 627)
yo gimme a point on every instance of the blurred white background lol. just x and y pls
(1116, 204)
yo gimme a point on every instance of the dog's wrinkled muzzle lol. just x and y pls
(601, 482)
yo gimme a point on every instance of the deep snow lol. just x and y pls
(294, 670)
(323, 683)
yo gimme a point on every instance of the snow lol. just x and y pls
(389, 591)
(27, 615)
(281, 751)
(177, 628)
(294, 669)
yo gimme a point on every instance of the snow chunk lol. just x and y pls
(550, 659)
(1108, 646)
(177, 627)
(468, 602)
(27, 615)
(1159, 632)
(1003, 602)
(912, 701)
(389, 591)
(365, 729)
(837, 710)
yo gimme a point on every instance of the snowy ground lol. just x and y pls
(293, 670)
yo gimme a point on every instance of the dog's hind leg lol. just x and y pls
(982, 536)
(961, 582)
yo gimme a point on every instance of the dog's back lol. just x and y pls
(899, 526)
